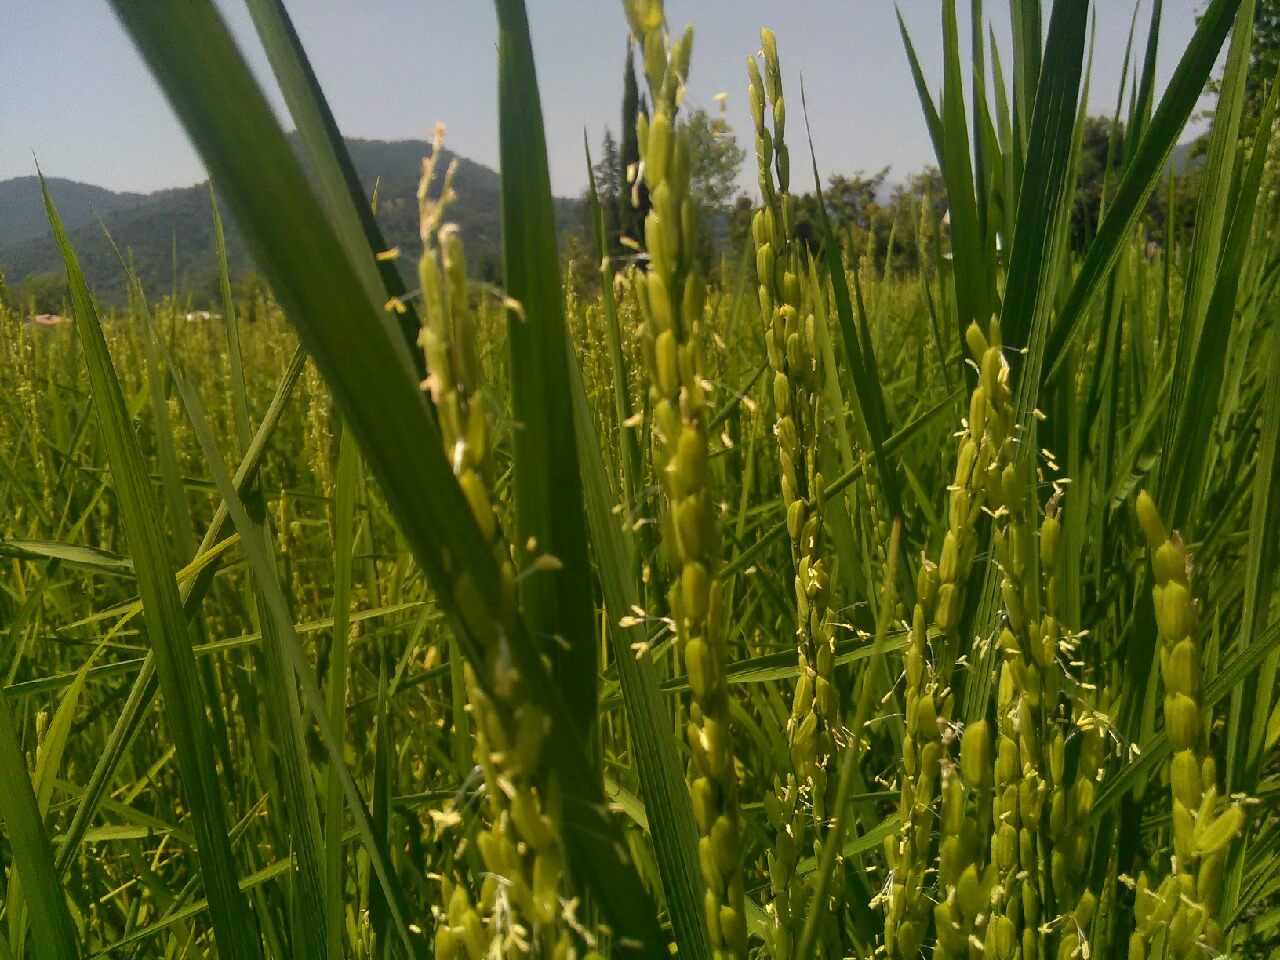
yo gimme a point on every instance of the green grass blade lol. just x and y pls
(359, 350)
(277, 621)
(143, 691)
(973, 283)
(662, 780)
(931, 118)
(548, 489)
(73, 555)
(1011, 158)
(234, 929)
(331, 164)
(1147, 85)
(1247, 721)
(52, 747)
(1141, 176)
(1027, 22)
(57, 938)
(1219, 244)
(1261, 564)
(179, 513)
(1045, 191)
(239, 393)
(344, 538)
(631, 461)
(306, 899)
(858, 348)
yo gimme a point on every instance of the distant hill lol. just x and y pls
(1184, 157)
(150, 226)
(22, 215)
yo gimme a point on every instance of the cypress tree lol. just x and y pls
(633, 197)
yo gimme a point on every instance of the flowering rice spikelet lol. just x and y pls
(800, 806)
(518, 908)
(1182, 910)
(671, 295)
(931, 654)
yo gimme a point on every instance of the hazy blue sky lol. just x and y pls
(76, 95)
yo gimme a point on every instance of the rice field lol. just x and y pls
(814, 610)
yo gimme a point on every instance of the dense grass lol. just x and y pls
(813, 612)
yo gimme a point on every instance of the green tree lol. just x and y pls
(633, 196)
(715, 160)
(608, 170)
(851, 201)
(1265, 58)
(610, 184)
(1101, 155)
(44, 292)
(740, 219)
(857, 215)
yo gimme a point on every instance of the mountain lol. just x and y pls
(1185, 157)
(22, 216)
(160, 228)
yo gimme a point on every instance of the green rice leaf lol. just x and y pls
(74, 555)
(548, 488)
(662, 781)
(167, 627)
(45, 904)
(359, 349)
(1141, 175)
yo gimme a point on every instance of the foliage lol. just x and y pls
(43, 292)
(1265, 56)
(715, 160)
(633, 193)
(610, 178)
(915, 590)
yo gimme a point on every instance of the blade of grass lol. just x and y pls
(167, 626)
(50, 752)
(1146, 87)
(30, 849)
(333, 168)
(662, 781)
(631, 462)
(1027, 21)
(548, 489)
(1208, 317)
(344, 539)
(1141, 176)
(1247, 720)
(72, 554)
(1261, 562)
(354, 344)
(973, 285)
(295, 766)
(861, 356)
(306, 899)
(192, 592)
(931, 118)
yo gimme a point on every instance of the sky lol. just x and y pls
(76, 96)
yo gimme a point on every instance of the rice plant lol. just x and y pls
(820, 609)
